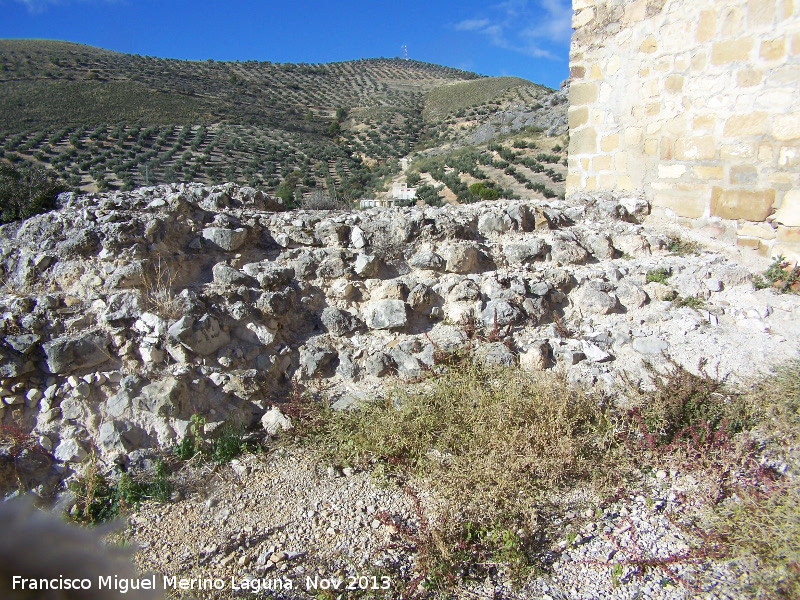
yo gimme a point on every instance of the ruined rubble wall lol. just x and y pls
(696, 104)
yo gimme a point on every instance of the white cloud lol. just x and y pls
(39, 6)
(524, 26)
(471, 24)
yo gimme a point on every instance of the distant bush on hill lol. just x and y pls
(26, 191)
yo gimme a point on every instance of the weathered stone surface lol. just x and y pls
(224, 238)
(70, 450)
(274, 421)
(339, 322)
(524, 252)
(496, 354)
(203, 336)
(427, 260)
(465, 290)
(366, 265)
(386, 314)
(565, 252)
(123, 306)
(500, 313)
(631, 296)
(600, 246)
(406, 364)
(69, 353)
(649, 345)
(536, 357)
(316, 359)
(378, 364)
(494, 223)
(226, 275)
(269, 275)
(462, 258)
(420, 297)
(590, 300)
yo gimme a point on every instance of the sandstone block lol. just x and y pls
(789, 156)
(649, 45)
(773, 49)
(674, 84)
(738, 150)
(708, 172)
(744, 175)
(789, 212)
(790, 252)
(750, 205)
(760, 12)
(671, 171)
(728, 51)
(750, 124)
(786, 127)
(689, 205)
(578, 116)
(707, 26)
(582, 17)
(583, 141)
(633, 135)
(582, 93)
(601, 163)
(789, 235)
(577, 72)
(758, 230)
(609, 142)
(695, 148)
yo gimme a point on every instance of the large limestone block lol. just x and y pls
(386, 314)
(750, 205)
(462, 258)
(168, 397)
(202, 337)
(226, 239)
(68, 353)
(524, 252)
(490, 223)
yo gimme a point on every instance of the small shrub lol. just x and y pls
(781, 276)
(100, 499)
(26, 191)
(320, 200)
(659, 275)
(227, 445)
(695, 302)
(681, 246)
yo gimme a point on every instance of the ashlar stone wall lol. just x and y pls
(696, 103)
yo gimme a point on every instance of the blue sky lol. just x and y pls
(526, 38)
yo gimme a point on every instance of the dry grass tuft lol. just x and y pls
(158, 281)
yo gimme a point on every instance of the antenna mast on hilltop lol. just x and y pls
(404, 48)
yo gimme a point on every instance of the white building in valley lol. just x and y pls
(401, 191)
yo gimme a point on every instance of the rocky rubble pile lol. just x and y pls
(124, 314)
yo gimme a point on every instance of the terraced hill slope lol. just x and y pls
(106, 120)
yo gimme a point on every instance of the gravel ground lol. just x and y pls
(287, 516)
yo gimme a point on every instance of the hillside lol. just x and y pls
(106, 120)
